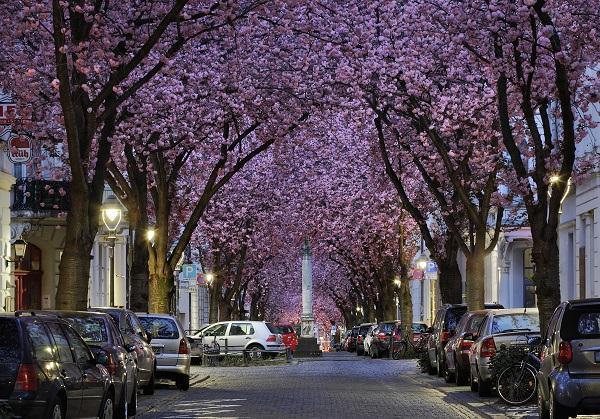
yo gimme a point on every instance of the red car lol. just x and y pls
(288, 335)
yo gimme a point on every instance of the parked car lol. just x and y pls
(418, 329)
(102, 336)
(236, 337)
(499, 327)
(134, 334)
(458, 348)
(381, 340)
(351, 344)
(288, 335)
(360, 338)
(195, 340)
(171, 347)
(48, 371)
(569, 376)
(446, 319)
(369, 337)
(345, 340)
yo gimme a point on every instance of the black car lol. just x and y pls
(446, 320)
(101, 334)
(134, 334)
(48, 371)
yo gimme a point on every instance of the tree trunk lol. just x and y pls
(546, 278)
(160, 287)
(72, 294)
(213, 312)
(450, 278)
(224, 310)
(476, 280)
(406, 308)
(139, 273)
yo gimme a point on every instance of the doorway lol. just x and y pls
(28, 280)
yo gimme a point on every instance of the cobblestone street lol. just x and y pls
(338, 385)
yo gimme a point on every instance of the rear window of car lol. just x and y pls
(453, 316)
(91, 329)
(474, 323)
(363, 330)
(386, 327)
(516, 322)
(285, 329)
(10, 345)
(581, 323)
(160, 327)
(419, 328)
(272, 328)
(354, 332)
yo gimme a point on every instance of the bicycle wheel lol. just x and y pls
(517, 384)
(399, 350)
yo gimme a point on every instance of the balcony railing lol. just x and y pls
(49, 197)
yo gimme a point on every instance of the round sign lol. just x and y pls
(19, 149)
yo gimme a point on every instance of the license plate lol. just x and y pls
(156, 350)
(597, 356)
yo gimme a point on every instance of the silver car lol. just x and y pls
(171, 347)
(499, 327)
(569, 376)
(242, 336)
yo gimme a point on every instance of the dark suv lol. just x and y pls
(47, 370)
(446, 320)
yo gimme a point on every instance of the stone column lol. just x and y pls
(307, 306)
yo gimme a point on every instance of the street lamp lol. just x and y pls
(554, 179)
(421, 262)
(151, 234)
(209, 277)
(112, 211)
(19, 247)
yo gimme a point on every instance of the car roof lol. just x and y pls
(583, 301)
(502, 311)
(367, 324)
(160, 315)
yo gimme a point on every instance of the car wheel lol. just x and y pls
(474, 384)
(255, 351)
(440, 366)
(149, 388)
(556, 410)
(132, 406)
(183, 382)
(108, 407)
(57, 411)
(542, 408)
(459, 375)
(484, 388)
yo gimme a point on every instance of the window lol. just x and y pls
(10, 347)
(241, 329)
(80, 349)
(160, 327)
(552, 323)
(216, 330)
(453, 316)
(285, 329)
(62, 344)
(92, 330)
(581, 323)
(135, 324)
(475, 322)
(42, 347)
(516, 322)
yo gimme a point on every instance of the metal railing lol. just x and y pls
(41, 196)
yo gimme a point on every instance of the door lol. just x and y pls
(68, 370)
(28, 290)
(92, 387)
(216, 333)
(240, 334)
(146, 360)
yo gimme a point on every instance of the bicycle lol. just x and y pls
(517, 384)
(400, 348)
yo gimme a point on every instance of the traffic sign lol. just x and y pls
(189, 271)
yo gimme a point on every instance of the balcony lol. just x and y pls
(40, 198)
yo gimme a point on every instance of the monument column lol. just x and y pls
(307, 345)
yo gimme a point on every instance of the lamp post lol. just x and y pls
(111, 217)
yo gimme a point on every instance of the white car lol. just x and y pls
(195, 340)
(237, 337)
(369, 340)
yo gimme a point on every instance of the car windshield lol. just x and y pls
(91, 329)
(581, 323)
(10, 348)
(527, 322)
(160, 327)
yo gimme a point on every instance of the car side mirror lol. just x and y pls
(101, 359)
(130, 347)
(190, 340)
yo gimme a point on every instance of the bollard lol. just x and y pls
(288, 355)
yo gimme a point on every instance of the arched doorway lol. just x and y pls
(28, 280)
